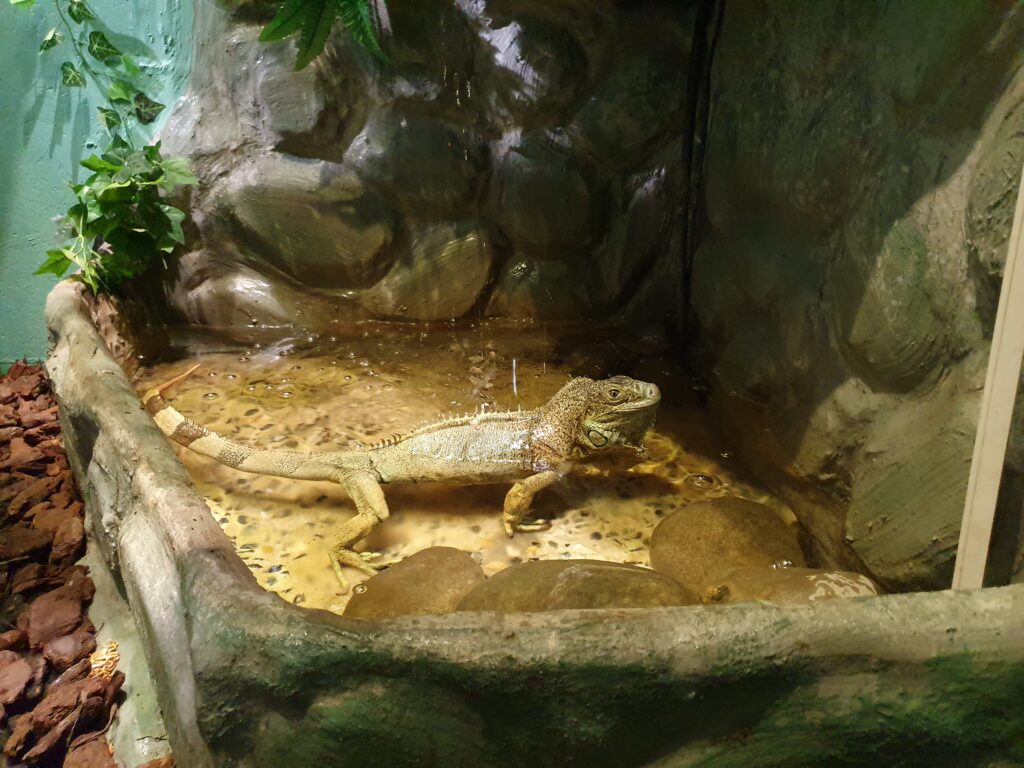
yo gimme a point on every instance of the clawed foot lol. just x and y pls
(358, 560)
(526, 526)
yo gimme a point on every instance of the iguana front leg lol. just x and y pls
(371, 508)
(520, 497)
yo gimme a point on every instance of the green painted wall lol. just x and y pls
(46, 129)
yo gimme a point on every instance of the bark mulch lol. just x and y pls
(58, 694)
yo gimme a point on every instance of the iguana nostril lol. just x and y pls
(653, 392)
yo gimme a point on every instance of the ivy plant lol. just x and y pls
(121, 219)
(312, 21)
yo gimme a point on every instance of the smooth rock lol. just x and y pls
(312, 220)
(294, 101)
(431, 581)
(890, 314)
(709, 539)
(419, 71)
(631, 245)
(639, 101)
(787, 585)
(427, 165)
(543, 202)
(528, 289)
(539, 68)
(242, 299)
(552, 585)
(446, 270)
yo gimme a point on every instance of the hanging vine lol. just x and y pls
(121, 219)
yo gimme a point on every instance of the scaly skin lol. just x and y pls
(534, 448)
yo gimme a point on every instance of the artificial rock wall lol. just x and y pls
(514, 158)
(862, 173)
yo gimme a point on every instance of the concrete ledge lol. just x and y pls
(247, 679)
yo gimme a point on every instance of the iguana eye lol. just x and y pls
(614, 394)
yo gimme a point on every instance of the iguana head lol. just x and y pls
(606, 413)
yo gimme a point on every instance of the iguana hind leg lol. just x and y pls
(520, 497)
(371, 508)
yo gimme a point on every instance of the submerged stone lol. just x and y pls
(433, 580)
(709, 539)
(787, 585)
(551, 585)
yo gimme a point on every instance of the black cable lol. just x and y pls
(696, 125)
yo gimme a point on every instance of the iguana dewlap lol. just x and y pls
(534, 448)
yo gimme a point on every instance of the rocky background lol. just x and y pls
(862, 172)
(513, 158)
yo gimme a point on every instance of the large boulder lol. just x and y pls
(552, 585)
(447, 269)
(432, 581)
(709, 539)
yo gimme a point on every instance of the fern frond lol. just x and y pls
(288, 19)
(316, 27)
(359, 19)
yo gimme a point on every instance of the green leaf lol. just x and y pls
(100, 47)
(137, 164)
(146, 109)
(53, 38)
(288, 19)
(71, 76)
(175, 216)
(109, 118)
(121, 90)
(177, 172)
(130, 66)
(98, 164)
(79, 11)
(57, 262)
(316, 26)
(116, 152)
(23, 3)
(359, 19)
(115, 190)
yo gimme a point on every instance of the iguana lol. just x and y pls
(533, 448)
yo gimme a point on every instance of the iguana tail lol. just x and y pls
(205, 442)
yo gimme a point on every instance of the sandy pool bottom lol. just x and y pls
(324, 397)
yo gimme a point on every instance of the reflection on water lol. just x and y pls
(326, 395)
